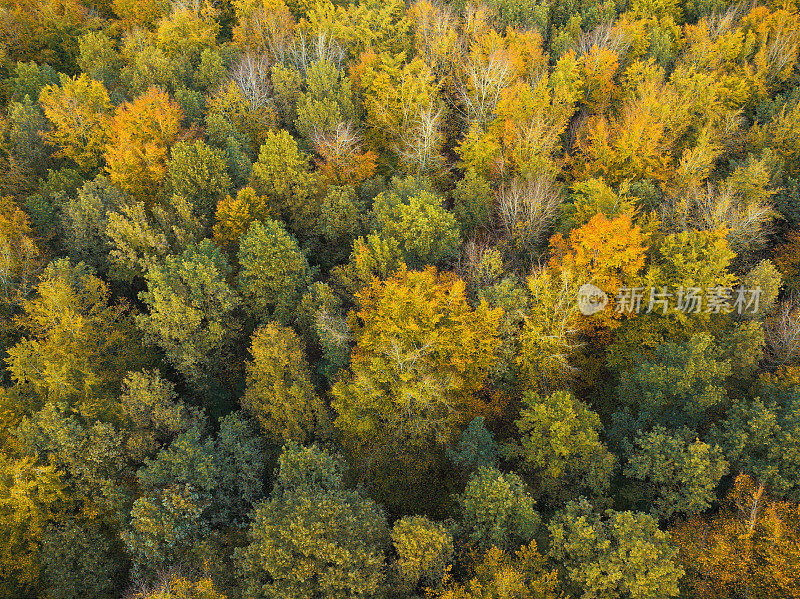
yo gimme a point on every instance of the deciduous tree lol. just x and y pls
(682, 473)
(750, 548)
(78, 344)
(274, 272)
(140, 136)
(623, 554)
(190, 309)
(421, 354)
(560, 444)
(279, 392)
(314, 537)
(282, 174)
(424, 551)
(80, 110)
(496, 511)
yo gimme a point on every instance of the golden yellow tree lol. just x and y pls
(141, 134)
(421, 355)
(80, 110)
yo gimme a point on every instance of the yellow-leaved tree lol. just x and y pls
(421, 357)
(79, 109)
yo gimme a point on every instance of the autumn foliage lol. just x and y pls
(374, 299)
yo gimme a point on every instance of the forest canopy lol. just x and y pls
(360, 299)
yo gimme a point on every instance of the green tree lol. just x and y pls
(194, 486)
(341, 216)
(242, 456)
(488, 283)
(274, 272)
(95, 459)
(766, 277)
(472, 202)
(238, 124)
(28, 79)
(81, 561)
(85, 221)
(760, 437)
(560, 444)
(475, 448)
(166, 527)
(309, 469)
(151, 414)
(90, 456)
(282, 173)
(190, 310)
(680, 471)
(322, 324)
(142, 237)
(496, 510)
(326, 102)
(614, 554)
(593, 197)
(426, 231)
(314, 538)
(678, 382)
(99, 58)
(25, 150)
(198, 173)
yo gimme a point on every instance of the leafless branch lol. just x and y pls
(252, 77)
(782, 333)
(530, 204)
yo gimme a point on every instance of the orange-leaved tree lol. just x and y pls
(141, 134)
(751, 548)
(608, 252)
